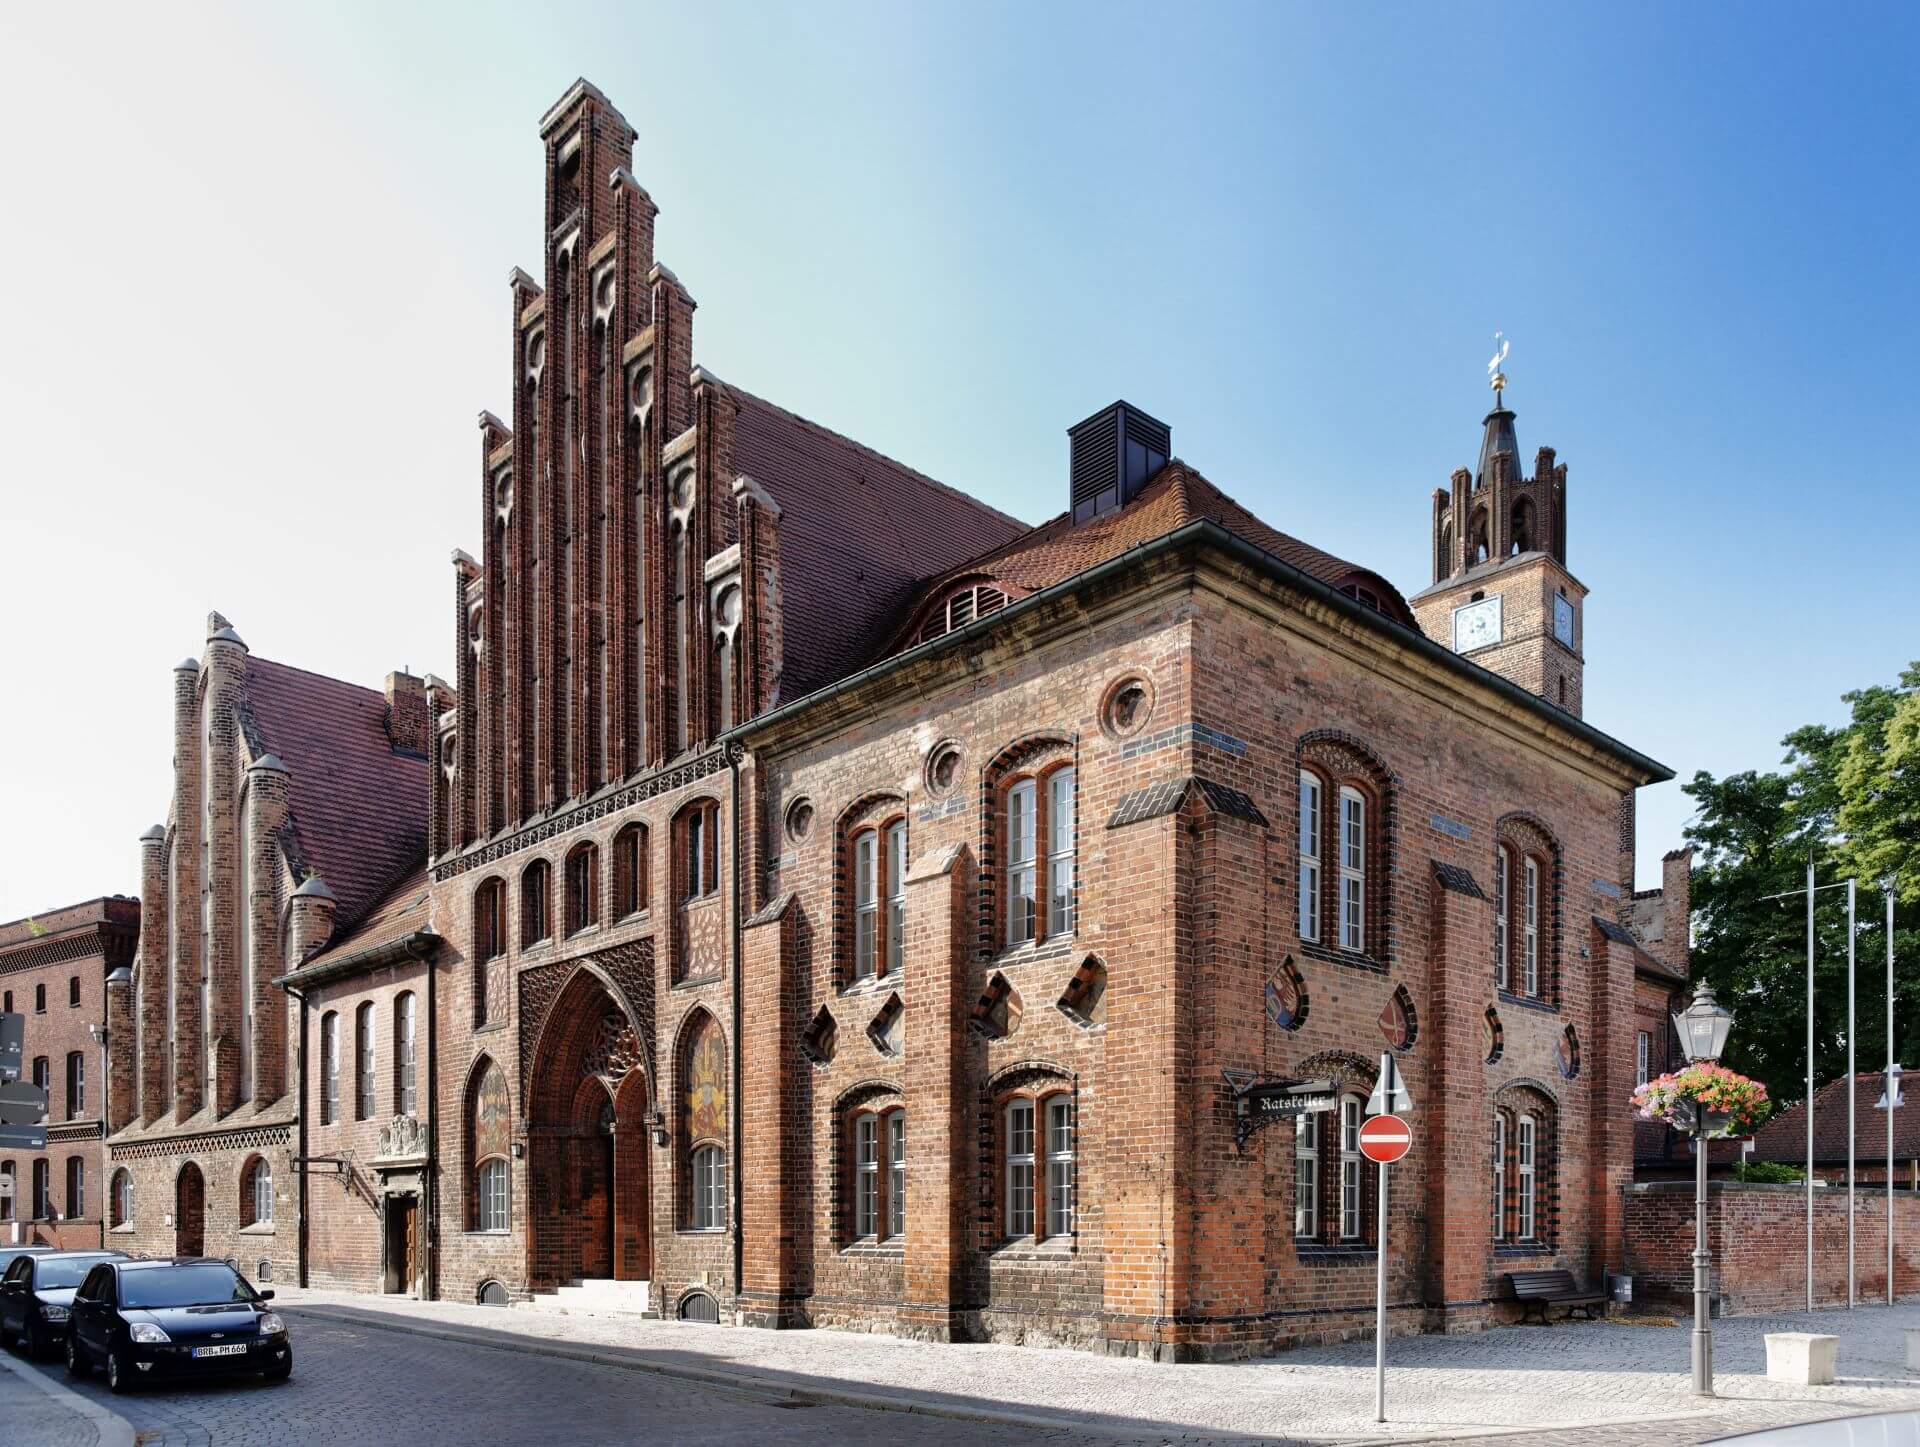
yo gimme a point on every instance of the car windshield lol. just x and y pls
(199, 1285)
(58, 1273)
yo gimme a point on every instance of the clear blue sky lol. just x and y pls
(258, 267)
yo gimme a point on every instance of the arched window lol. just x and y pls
(404, 1074)
(364, 1076)
(1306, 1176)
(1039, 833)
(43, 1189)
(1523, 539)
(329, 1068)
(536, 893)
(1038, 1161)
(704, 1122)
(726, 625)
(630, 871)
(583, 888)
(489, 1141)
(1526, 882)
(1342, 870)
(1523, 1186)
(256, 1193)
(699, 850)
(959, 608)
(1443, 568)
(76, 1084)
(120, 1198)
(1334, 1201)
(876, 1146)
(489, 941)
(8, 1170)
(1478, 550)
(878, 865)
(76, 1187)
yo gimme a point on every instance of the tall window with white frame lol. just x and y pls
(1530, 926)
(1351, 1225)
(1019, 1186)
(1306, 1176)
(896, 862)
(1060, 1179)
(405, 1094)
(897, 1174)
(365, 1078)
(1499, 1175)
(1309, 856)
(76, 1187)
(262, 1184)
(123, 1197)
(1060, 841)
(709, 1189)
(1643, 1058)
(1021, 844)
(1353, 870)
(1524, 1161)
(76, 1084)
(866, 1176)
(329, 1068)
(491, 1195)
(866, 904)
(1502, 870)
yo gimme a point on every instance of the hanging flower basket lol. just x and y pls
(1708, 1100)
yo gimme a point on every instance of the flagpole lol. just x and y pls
(1853, 1099)
(1893, 1092)
(1809, 1185)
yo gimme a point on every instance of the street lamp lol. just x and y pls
(1703, 1028)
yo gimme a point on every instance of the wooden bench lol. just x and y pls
(1538, 1290)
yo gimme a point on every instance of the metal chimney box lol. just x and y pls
(1115, 452)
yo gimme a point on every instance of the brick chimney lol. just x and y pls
(1676, 901)
(409, 724)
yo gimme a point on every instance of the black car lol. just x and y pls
(36, 1294)
(159, 1320)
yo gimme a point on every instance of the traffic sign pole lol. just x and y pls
(1380, 1310)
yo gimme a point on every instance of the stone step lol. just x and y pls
(596, 1297)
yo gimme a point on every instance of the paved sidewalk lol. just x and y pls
(37, 1410)
(1541, 1384)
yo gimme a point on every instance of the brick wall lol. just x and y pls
(1757, 1235)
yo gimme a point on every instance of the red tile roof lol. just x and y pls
(859, 535)
(358, 809)
(1784, 1138)
(1177, 495)
(402, 911)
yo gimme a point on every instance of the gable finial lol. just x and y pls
(1496, 378)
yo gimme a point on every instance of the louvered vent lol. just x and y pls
(962, 606)
(1114, 454)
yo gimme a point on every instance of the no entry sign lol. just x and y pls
(1385, 1138)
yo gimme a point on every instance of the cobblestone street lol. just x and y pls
(386, 1369)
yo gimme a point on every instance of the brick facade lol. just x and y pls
(65, 972)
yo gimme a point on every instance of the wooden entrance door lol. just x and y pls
(190, 1212)
(403, 1242)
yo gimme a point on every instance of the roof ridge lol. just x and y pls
(323, 677)
(873, 452)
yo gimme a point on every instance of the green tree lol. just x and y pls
(1850, 798)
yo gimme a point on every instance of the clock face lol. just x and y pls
(1476, 625)
(1563, 619)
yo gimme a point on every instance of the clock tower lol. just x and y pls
(1501, 592)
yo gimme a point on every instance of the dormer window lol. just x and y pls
(961, 607)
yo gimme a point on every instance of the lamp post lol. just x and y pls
(1703, 1028)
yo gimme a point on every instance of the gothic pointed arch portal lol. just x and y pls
(588, 1100)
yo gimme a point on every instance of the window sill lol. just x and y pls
(125, 1228)
(700, 1231)
(1354, 959)
(586, 931)
(871, 1249)
(489, 1231)
(694, 982)
(1522, 1248)
(492, 1027)
(1322, 1251)
(1024, 1248)
(258, 1228)
(1529, 1002)
(870, 985)
(1029, 951)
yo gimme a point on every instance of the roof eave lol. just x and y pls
(415, 945)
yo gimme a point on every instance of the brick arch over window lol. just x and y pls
(1524, 1156)
(884, 1101)
(1343, 768)
(1038, 1085)
(1036, 757)
(1521, 839)
(877, 813)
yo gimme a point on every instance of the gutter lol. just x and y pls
(419, 945)
(430, 1175)
(1206, 531)
(300, 1176)
(734, 1188)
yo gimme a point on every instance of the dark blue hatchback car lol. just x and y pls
(167, 1320)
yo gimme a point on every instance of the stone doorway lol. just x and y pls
(587, 1106)
(190, 1212)
(403, 1244)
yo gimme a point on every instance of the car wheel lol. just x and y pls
(77, 1364)
(117, 1380)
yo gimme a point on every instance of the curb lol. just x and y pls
(631, 1359)
(112, 1429)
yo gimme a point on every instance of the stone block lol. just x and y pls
(1802, 1357)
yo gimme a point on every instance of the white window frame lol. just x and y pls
(1060, 1165)
(1353, 870)
(1306, 1177)
(1526, 1167)
(1061, 788)
(1502, 870)
(1643, 1058)
(1022, 904)
(866, 904)
(76, 1187)
(120, 1202)
(329, 1068)
(1019, 1119)
(894, 856)
(866, 1176)
(1352, 1224)
(1530, 925)
(709, 1166)
(403, 1044)
(366, 1088)
(261, 1184)
(76, 1084)
(896, 1123)
(1499, 1175)
(491, 1179)
(1310, 807)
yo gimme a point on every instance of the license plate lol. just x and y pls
(233, 1349)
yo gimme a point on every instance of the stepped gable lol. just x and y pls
(358, 805)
